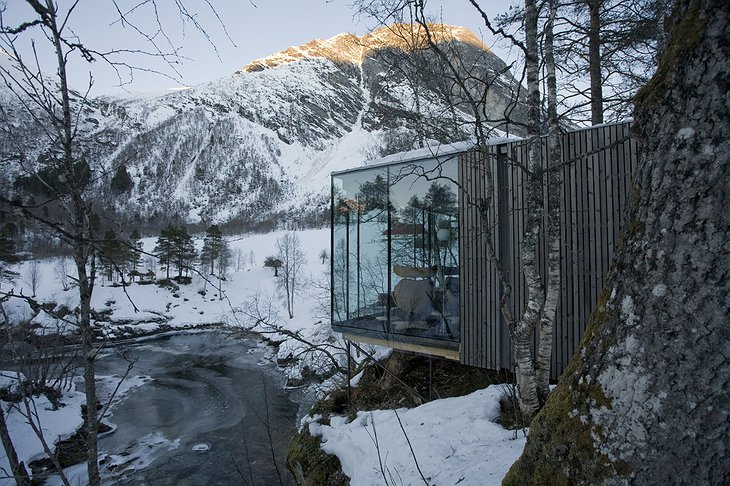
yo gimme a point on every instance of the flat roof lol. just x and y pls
(442, 150)
(430, 152)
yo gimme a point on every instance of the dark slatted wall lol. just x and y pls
(598, 163)
(484, 341)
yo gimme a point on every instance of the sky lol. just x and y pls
(243, 30)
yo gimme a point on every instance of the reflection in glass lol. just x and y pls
(395, 259)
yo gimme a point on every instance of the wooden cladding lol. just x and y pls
(596, 168)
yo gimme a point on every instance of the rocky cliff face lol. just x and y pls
(264, 140)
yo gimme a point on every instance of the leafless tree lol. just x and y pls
(260, 315)
(324, 255)
(605, 50)
(33, 276)
(150, 264)
(63, 175)
(542, 289)
(17, 468)
(61, 270)
(292, 259)
(39, 370)
(238, 258)
(640, 348)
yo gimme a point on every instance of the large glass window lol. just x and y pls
(360, 251)
(395, 260)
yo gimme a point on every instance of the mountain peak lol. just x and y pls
(351, 49)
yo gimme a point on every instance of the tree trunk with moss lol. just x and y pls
(644, 400)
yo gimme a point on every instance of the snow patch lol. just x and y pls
(355, 380)
(139, 454)
(56, 423)
(11, 380)
(454, 441)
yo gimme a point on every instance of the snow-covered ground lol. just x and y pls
(454, 440)
(139, 309)
(57, 423)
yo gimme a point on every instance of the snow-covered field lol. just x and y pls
(454, 440)
(139, 309)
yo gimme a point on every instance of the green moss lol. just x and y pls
(685, 38)
(631, 231)
(561, 447)
(310, 464)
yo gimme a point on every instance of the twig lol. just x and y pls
(374, 438)
(410, 446)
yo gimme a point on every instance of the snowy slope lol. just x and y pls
(263, 141)
(452, 441)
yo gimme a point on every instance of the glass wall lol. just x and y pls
(395, 252)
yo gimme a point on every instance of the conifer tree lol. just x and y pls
(164, 248)
(7, 249)
(60, 176)
(135, 250)
(214, 246)
(183, 250)
(121, 182)
(111, 253)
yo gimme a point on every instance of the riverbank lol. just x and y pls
(129, 315)
(305, 350)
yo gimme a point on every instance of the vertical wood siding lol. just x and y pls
(596, 180)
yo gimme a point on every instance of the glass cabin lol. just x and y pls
(395, 254)
(411, 267)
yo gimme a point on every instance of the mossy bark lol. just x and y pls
(310, 465)
(644, 401)
(561, 441)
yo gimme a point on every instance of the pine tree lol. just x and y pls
(183, 250)
(111, 254)
(213, 247)
(7, 249)
(164, 248)
(135, 250)
(440, 199)
(121, 182)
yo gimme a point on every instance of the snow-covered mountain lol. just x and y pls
(261, 143)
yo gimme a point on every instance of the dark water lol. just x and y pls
(207, 390)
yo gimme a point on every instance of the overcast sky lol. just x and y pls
(255, 29)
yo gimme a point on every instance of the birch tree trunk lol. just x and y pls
(552, 291)
(522, 331)
(645, 400)
(81, 238)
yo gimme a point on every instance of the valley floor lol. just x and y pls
(452, 441)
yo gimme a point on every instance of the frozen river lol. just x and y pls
(200, 418)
